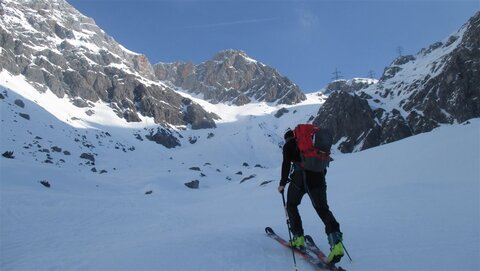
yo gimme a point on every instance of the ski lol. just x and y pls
(312, 259)
(311, 246)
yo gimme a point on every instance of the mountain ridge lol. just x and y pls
(57, 48)
(439, 85)
(231, 76)
(362, 113)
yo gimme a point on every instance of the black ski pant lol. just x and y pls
(312, 183)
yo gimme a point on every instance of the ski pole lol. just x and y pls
(346, 251)
(289, 233)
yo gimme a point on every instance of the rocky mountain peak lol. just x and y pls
(57, 48)
(230, 55)
(351, 85)
(416, 93)
(231, 76)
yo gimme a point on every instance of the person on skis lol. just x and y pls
(313, 183)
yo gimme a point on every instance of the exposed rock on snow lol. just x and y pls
(163, 137)
(193, 184)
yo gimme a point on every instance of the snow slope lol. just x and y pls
(410, 205)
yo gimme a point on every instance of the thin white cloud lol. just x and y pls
(307, 19)
(240, 22)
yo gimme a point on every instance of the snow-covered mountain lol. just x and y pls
(50, 124)
(58, 49)
(59, 62)
(231, 77)
(439, 85)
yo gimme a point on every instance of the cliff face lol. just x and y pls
(57, 48)
(231, 77)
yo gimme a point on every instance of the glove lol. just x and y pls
(281, 188)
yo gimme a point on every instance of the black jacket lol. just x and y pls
(291, 154)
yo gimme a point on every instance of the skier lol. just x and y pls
(313, 183)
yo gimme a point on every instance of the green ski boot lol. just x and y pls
(298, 242)
(336, 247)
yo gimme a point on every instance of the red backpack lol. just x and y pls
(314, 144)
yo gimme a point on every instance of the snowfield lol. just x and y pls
(409, 205)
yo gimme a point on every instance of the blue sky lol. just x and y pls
(304, 40)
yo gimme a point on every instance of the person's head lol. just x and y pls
(288, 134)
